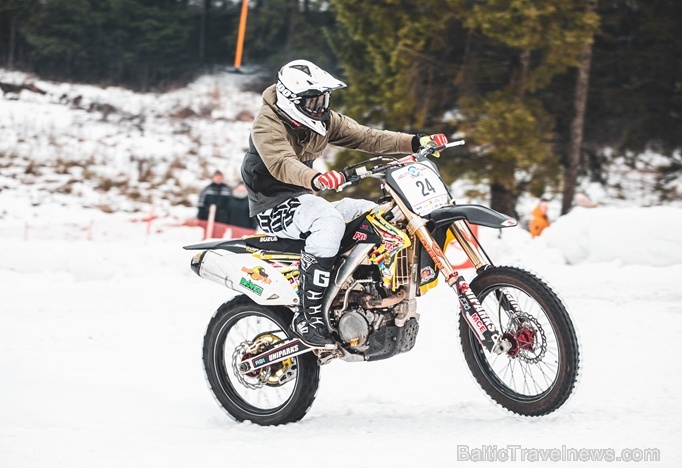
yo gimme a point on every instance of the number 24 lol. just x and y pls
(425, 187)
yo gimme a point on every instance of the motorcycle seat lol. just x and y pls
(273, 243)
(249, 244)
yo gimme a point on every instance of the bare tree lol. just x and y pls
(578, 124)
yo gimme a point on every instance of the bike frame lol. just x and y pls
(476, 317)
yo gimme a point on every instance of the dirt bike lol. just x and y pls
(516, 335)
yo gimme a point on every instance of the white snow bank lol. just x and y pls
(633, 236)
(626, 236)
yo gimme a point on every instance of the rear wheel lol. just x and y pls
(538, 375)
(277, 394)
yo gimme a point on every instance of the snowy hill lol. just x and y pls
(116, 150)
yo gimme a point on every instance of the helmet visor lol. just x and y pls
(316, 106)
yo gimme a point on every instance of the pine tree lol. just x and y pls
(398, 54)
(510, 126)
(57, 32)
(13, 15)
(283, 30)
(408, 61)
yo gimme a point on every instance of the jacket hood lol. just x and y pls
(270, 100)
(270, 97)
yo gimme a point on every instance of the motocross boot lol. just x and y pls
(314, 277)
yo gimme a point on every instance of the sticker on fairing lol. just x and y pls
(257, 273)
(422, 187)
(251, 286)
(427, 274)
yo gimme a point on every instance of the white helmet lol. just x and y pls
(303, 91)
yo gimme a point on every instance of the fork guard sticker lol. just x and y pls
(477, 319)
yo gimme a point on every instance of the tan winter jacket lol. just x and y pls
(278, 165)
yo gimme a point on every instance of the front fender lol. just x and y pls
(474, 214)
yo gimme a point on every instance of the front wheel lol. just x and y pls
(539, 374)
(277, 394)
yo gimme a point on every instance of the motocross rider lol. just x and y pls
(291, 130)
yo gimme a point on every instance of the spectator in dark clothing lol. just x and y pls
(216, 193)
(239, 208)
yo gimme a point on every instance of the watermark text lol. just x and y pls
(488, 453)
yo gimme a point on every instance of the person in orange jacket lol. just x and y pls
(540, 220)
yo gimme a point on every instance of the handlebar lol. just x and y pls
(361, 172)
(451, 144)
(429, 150)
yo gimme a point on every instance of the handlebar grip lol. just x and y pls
(352, 179)
(454, 143)
(430, 149)
(343, 186)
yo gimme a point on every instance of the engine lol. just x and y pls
(368, 317)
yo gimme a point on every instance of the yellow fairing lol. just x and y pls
(394, 241)
(426, 287)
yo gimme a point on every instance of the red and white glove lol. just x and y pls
(437, 139)
(328, 180)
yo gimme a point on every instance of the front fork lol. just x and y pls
(478, 319)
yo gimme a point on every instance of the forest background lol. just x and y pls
(545, 93)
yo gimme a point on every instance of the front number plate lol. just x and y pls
(422, 187)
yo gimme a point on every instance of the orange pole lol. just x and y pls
(241, 33)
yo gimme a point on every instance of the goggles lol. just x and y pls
(315, 105)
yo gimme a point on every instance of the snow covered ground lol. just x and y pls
(100, 357)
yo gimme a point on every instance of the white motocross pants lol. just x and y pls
(319, 222)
